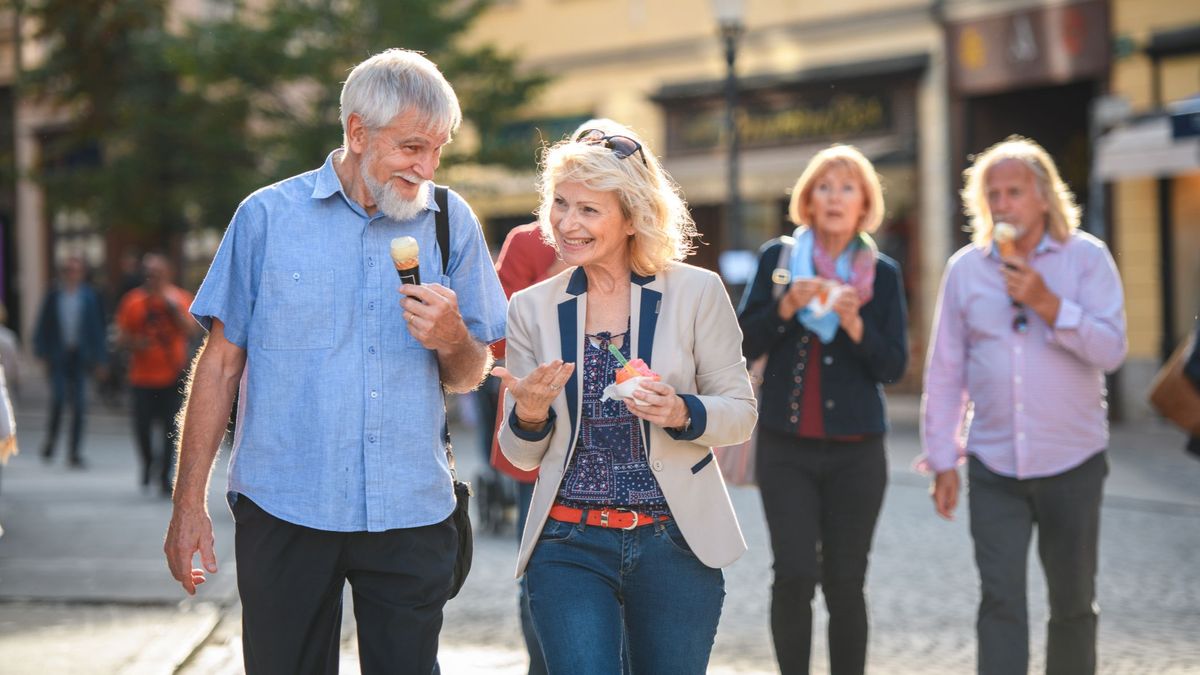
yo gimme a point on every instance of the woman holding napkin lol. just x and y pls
(833, 338)
(630, 521)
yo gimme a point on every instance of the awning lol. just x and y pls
(1145, 149)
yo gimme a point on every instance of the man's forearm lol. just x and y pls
(209, 398)
(464, 367)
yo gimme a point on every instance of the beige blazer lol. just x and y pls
(683, 325)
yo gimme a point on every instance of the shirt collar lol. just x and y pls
(328, 184)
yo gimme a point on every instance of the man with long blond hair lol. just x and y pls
(1029, 319)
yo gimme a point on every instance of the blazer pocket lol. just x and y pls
(702, 463)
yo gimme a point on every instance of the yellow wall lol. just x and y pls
(1135, 219)
(1135, 202)
(1137, 20)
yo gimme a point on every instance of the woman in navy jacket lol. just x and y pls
(832, 339)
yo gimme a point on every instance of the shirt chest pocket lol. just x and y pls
(298, 309)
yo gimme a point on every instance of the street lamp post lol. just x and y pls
(729, 19)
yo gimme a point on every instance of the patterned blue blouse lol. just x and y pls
(609, 467)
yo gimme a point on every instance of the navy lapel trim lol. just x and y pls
(578, 283)
(647, 322)
(569, 345)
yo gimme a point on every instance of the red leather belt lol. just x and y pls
(605, 517)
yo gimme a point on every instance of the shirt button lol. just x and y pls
(804, 339)
(370, 262)
(1017, 350)
(1021, 436)
(781, 329)
(829, 404)
(374, 394)
(296, 276)
(800, 366)
(828, 360)
(371, 438)
(658, 465)
(371, 349)
(371, 306)
(1020, 407)
(794, 419)
(797, 380)
(1017, 379)
(795, 406)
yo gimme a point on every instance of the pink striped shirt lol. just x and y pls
(1026, 404)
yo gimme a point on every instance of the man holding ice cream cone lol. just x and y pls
(1029, 319)
(338, 471)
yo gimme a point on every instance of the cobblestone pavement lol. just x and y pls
(83, 588)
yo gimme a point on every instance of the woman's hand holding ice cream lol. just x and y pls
(799, 294)
(536, 391)
(658, 404)
(846, 305)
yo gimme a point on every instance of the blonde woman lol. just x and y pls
(630, 521)
(832, 339)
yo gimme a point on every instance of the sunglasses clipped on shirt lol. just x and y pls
(622, 146)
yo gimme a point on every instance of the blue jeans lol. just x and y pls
(593, 588)
(537, 663)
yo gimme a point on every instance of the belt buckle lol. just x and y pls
(635, 518)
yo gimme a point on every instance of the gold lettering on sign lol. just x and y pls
(845, 115)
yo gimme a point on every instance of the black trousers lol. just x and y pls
(1066, 510)
(821, 499)
(290, 580)
(156, 406)
(68, 386)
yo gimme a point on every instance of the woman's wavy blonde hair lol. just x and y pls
(1062, 216)
(649, 198)
(843, 157)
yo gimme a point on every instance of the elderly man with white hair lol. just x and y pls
(338, 471)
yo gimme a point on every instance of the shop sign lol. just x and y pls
(781, 119)
(1041, 46)
(517, 143)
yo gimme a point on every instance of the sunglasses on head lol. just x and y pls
(622, 146)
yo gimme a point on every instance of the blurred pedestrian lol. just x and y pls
(525, 259)
(70, 339)
(155, 329)
(1026, 327)
(1191, 371)
(630, 521)
(8, 425)
(10, 350)
(130, 277)
(339, 471)
(833, 338)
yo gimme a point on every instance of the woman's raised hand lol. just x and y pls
(536, 391)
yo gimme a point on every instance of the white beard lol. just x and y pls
(390, 202)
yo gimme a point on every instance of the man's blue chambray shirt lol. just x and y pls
(340, 412)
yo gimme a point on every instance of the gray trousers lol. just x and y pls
(1066, 510)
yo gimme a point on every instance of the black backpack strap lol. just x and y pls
(442, 223)
(442, 219)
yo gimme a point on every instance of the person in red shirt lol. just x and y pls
(155, 328)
